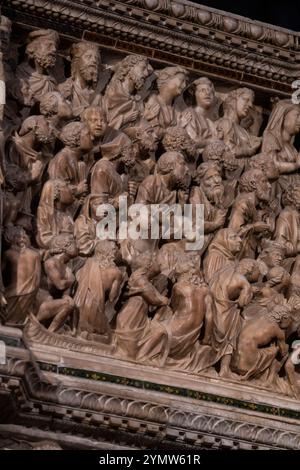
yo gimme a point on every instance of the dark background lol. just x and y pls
(281, 13)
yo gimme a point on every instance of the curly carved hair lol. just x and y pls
(106, 253)
(49, 103)
(270, 246)
(60, 242)
(123, 68)
(250, 180)
(167, 162)
(71, 134)
(77, 51)
(203, 168)
(291, 195)
(215, 150)
(177, 139)
(279, 312)
(35, 37)
(264, 163)
(247, 265)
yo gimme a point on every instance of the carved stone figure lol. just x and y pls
(137, 336)
(176, 139)
(197, 120)
(107, 182)
(231, 290)
(32, 152)
(278, 137)
(210, 191)
(245, 216)
(85, 225)
(16, 181)
(55, 211)
(260, 341)
(188, 305)
(217, 151)
(287, 233)
(67, 165)
(123, 104)
(159, 109)
(55, 109)
(288, 223)
(33, 77)
(60, 279)
(99, 283)
(22, 274)
(171, 174)
(144, 143)
(236, 107)
(84, 87)
(221, 252)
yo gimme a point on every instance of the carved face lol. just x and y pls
(244, 104)
(274, 258)
(204, 95)
(263, 189)
(71, 249)
(21, 239)
(254, 274)
(89, 65)
(271, 170)
(212, 185)
(129, 155)
(43, 132)
(292, 121)
(139, 73)
(180, 175)
(85, 142)
(64, 110)
(149, 139)
(285, 322)
(5, 31)
(45, 53)
(234, 242)
(94, 204)
(96, 123)
(176, 84)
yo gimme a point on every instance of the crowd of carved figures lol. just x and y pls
(71, 143)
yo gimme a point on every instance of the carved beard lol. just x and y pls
(43, 137)
(45, 61)
(215, 194)
(146, 146)
(181, 182)
(138, 81)
(89, 73)
(263, 196)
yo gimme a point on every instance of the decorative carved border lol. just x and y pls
(34, 396)
(171, 390)
(217, 20)
(37, 337)
(217, 44)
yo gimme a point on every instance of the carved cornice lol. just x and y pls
(217, 20)
(34, 396)
(78, 403)
(201, 39)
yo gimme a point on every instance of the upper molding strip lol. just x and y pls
(202, 39)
